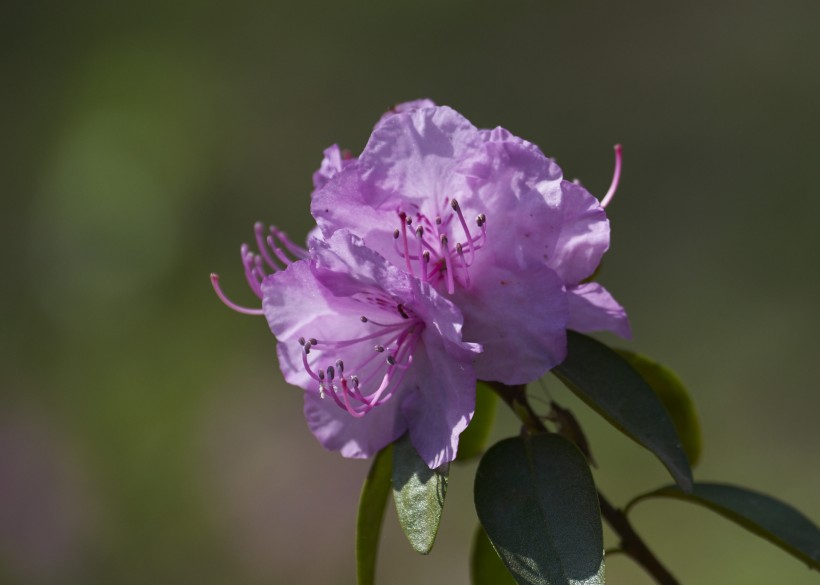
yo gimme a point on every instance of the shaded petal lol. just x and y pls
(592, 308)
(519, 317)
(441, 403)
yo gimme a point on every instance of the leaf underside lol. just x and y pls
(418, 493)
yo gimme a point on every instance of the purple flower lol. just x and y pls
(487, 219)
(378, 352)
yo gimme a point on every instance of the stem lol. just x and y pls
(631, 543)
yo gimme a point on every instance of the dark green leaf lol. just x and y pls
(371, 511)
(767, 517)
(675, 398)
(538, 504)
(473, 441)
(486, 567)
(419, 495)
(607, 383)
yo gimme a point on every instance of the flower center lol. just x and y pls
(432, 254)
(382, 354)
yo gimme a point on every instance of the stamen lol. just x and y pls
(449, 265)
(230, 304)
(278, 251)
(297, 251)
(402, 312)
(258, 229)
(464, 263)
(405, 221)
(421, 251)
(301, 341)
(425, 261)
(457, 208)
(616, 178)
(379, 348)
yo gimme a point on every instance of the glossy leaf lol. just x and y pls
(473, 441)
(607, 383)
(486, 567)
(537, 502)
(418, 492)
(372, 502)
(675, 399)
(767, 517)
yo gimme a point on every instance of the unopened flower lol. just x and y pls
(487, 219)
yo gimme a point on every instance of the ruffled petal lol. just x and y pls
(579, 232)
(592, 308)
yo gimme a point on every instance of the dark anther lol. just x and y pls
(454, 205)
(408, 220)
(402, 312)
(395, 234)
(458, 247)
(481, 219)
(426, 255)
(379, 348)
(321, 375)
(313, 341)
(340, 365)
(443, 239)
(301, 341)
(331, 373)
(363, 319)
(420, 231)
(391, 360)
(438, 220)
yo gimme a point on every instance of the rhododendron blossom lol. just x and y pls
(377, 352)
(485, 218)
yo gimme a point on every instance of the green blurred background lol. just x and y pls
(146, 435)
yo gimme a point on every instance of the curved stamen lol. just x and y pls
(283, 258)
(616, 177)
(230, 304)
(258, 229)
(297, 251)
(460, 250)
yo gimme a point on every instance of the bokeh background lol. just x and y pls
(146, 435)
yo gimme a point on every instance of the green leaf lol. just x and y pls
(675, 399)
(607, 383)
(486, 567)
(372, 502)
(767, 517)
(536, 500)
(473, 441)
(418, 492)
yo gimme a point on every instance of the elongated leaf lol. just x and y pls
(372, 502)
(607, 383)
(486, 567)
(675, 399)
(538, 504)
(767, 517)
(473, 441)
(418, 492)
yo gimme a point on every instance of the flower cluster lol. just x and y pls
(443, 254)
